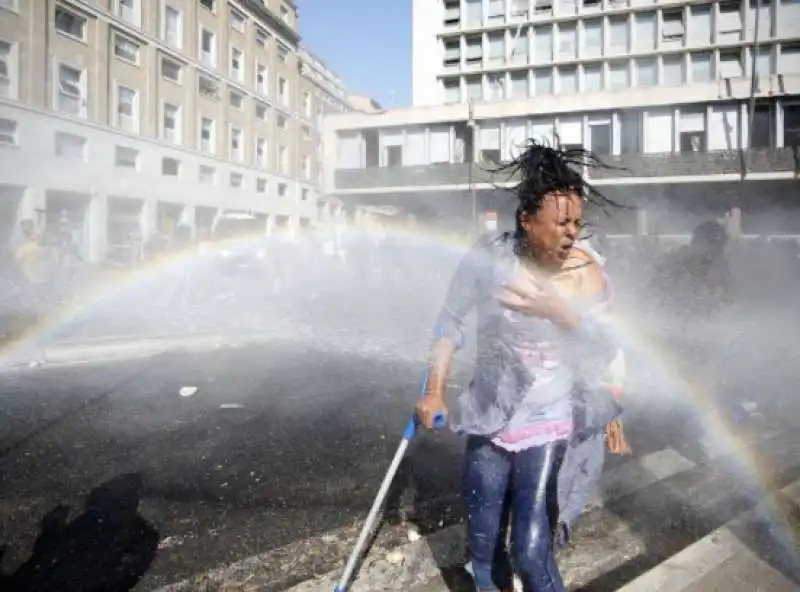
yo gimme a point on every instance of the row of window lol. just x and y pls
(696, 128)
(75, 147)
(130, 50)
(666, 70)
(642, 32)
(471, 13)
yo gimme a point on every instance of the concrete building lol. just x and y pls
(121, 117)
(661, 89)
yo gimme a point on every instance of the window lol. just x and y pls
(304, 195)
(593, 78)
(473, 12)
(474, 88)
(262, 79)
(307, 111)
(600, 136)
(283, 52)
(519, 85)
(208, 48)
(8, 70)
(673, 70)
(236, 180)
(496, 48)
(568, 80)
(543, 7)
(208, 87)
(8, 132)
(452, 91)
(130, 11)
(70, 23)
(729, 23)
(452, 13)
(791, 124)
(207, 175)
(208, 135)
(489, 143)
(646, 72)
(262, 154)
(126, 49)
(171, 70)
(543, 81)
(618, 35)
(283, 189)
(520, 52)
(692, 130)
(262, 112)
(700, 26)
(631, 128)
(283, 160)
(70, 146)
(730, 64)
(172, 31)
(284, 14)
(592, 39)
(283, 90)
(171, 123)
(237, 61)
(672, 27)
(170, 167)
(126, 158)
(496, 12)
(281, 121)
(262, 37)
(618, 76)
(763, 62)
(261, 185)
(567, 41)
(236, 100)
(306, 131)
(644, 31)
(237, 19)
(543, 45)
(209, 5)
(307, 168)
(474, 50)
(237, 146)
(71, 94)
(763, 128)
(702, 67)
(127, 109)
(789, 59)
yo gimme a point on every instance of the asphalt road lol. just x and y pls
(301, 453)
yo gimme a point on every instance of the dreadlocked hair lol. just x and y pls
(543, 169)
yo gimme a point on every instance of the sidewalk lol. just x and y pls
(759, 550)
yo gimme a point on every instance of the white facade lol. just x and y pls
(502, 49)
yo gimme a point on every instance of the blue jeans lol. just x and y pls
(499, 485)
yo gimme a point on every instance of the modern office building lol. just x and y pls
(120, 117)
(660, 89)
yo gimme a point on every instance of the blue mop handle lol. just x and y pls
(439, 421)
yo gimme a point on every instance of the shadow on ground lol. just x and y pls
(107, 548)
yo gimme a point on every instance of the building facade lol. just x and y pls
(662, 90)
(131, 116)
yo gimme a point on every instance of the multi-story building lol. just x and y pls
(131, 116)
(660, 88)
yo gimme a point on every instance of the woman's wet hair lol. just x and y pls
(543, 169)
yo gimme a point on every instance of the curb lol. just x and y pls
(687, 568)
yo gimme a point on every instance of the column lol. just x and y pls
(31, 207)
(97, 227)
(149, 219)
(642, 222)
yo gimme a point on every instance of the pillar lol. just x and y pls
(642, 222)
(149, 219)
(97, 227)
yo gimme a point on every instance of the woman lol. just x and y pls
(533, 345)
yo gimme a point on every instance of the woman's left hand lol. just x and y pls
(537, 300)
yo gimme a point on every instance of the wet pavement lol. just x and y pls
(278, 444)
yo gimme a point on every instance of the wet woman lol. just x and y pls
(531, 343)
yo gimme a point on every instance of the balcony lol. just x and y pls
(682, 164)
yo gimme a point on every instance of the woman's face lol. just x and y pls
(552, 231)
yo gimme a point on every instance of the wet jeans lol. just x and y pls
(499, 485)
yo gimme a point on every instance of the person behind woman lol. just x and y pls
(531, 342)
